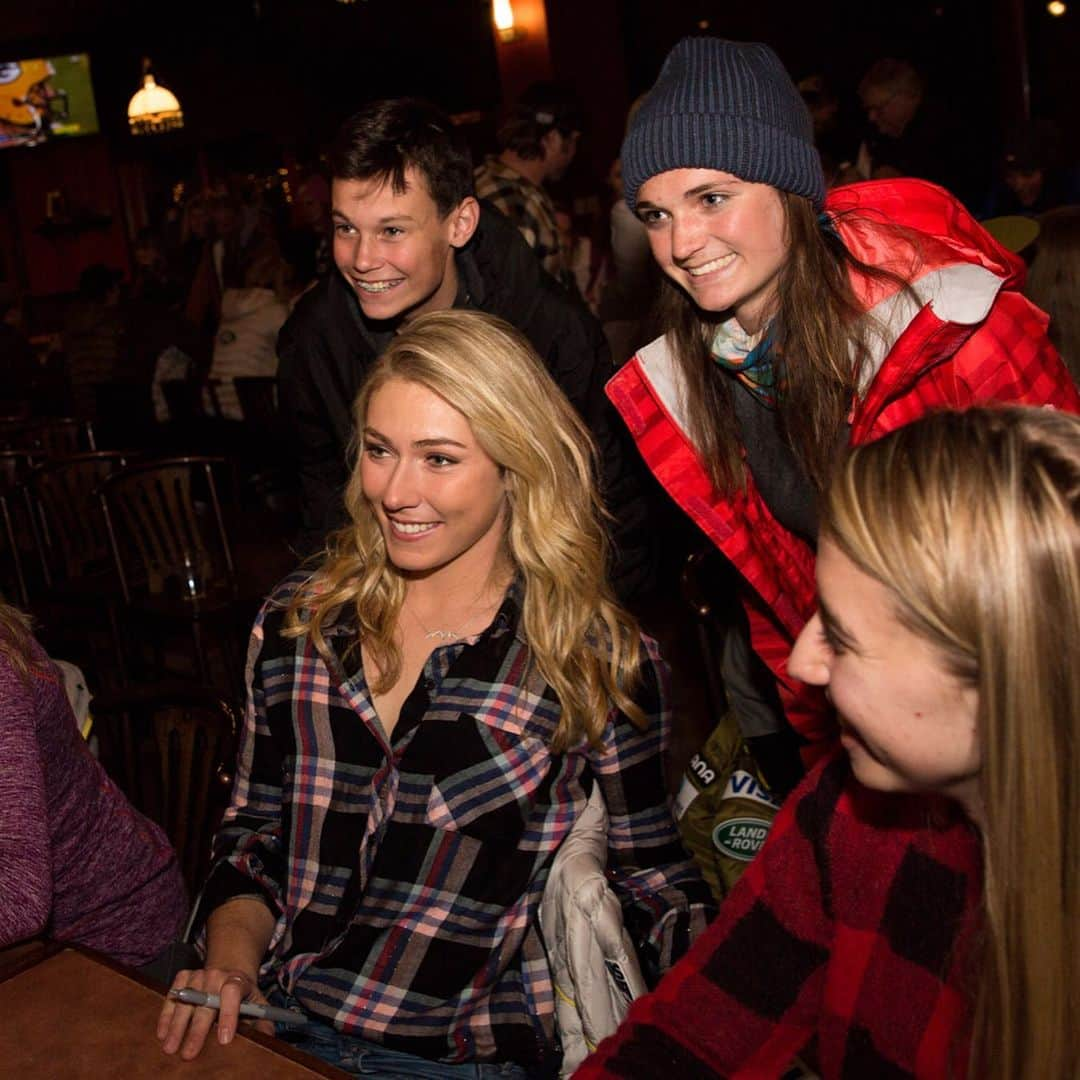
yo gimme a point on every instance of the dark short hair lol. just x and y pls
(387, 137)
(543, 107)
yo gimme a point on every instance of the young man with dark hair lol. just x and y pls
(410, 237)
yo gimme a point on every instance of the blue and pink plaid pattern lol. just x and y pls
(406, 875)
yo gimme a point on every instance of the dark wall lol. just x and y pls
(261, 84)
(285, 69)
(970, 50)
(266, 80)
(290, 69)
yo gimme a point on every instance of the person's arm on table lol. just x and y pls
(242, 895)
(237, 936)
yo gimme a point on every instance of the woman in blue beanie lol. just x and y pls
(796, 325)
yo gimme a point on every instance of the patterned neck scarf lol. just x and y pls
(751, 358)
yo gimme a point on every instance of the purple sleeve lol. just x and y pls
(25, 863)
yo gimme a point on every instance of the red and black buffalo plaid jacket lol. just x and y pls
(964, 336)
(851, 927)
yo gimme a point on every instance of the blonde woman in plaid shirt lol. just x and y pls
(430, 710)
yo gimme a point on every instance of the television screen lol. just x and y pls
(46, 98)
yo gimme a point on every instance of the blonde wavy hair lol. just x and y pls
(581, 642)
(972, 521)
(16, 638)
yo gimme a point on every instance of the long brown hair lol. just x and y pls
(972, 521)
(824, 331)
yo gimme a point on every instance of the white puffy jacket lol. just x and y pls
(593, 965)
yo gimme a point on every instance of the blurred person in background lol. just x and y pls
(538, 140)
(1053, 281)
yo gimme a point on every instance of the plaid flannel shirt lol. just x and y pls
(853, 926)
(529, 207)
(406, 874)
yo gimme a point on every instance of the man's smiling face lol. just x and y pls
(394, 249)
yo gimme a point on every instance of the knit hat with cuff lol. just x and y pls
(726, 105)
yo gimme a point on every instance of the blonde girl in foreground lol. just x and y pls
(916, 907)
(430, 711)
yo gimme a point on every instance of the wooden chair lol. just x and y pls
(15, 466)
(76, 603)
(15, 432)
(57, 437)
(171, 549)
(170, 748)
(74, 542)
(12, 572)
(17, 533)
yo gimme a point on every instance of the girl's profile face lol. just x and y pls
(909, 723)
(721, 239)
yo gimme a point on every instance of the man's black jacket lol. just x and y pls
(327, 346)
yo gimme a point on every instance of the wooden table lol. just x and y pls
(70, 1015)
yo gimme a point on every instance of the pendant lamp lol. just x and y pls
(153, 109)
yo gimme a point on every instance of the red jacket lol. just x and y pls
(872, 970)
(970, 338)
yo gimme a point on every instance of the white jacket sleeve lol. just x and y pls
(593, 966)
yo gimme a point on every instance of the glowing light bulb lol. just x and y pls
(1056, 8)
(502, 11)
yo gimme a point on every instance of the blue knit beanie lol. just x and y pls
(726, 105)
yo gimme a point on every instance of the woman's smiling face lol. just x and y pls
(721, 239)
(909, 723)
(439, 498)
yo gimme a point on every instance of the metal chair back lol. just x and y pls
(15, 466)
(166, 528)
(170, 749)
(18, 536)
(12, 574)
(73, 540)
(55, 437)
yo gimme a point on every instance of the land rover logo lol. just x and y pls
(740, 838)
